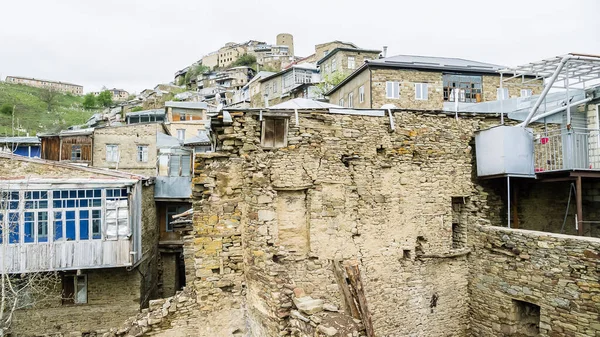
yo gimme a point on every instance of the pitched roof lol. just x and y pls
(303, 103)
(358, 50)
(186, 105)
(306, 66)
(100, 171)
(441, 63)
(20, 140)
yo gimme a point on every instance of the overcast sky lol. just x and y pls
(136, 44)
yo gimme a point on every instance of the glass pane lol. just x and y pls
(42, 226)
(70, 225)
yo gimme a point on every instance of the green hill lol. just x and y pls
(31, 113)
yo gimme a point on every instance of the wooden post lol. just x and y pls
(514, 206)
(349, 303)
(579, 207)
(358, 292)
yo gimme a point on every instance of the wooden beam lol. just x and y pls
(357, 290)
(579, 207)
(349, 303)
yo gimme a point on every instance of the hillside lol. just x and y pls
(31, 113)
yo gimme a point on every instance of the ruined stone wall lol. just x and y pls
(346, 188)
(533, 283)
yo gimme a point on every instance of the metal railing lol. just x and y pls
(567, 149)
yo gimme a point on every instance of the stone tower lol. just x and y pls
(285, 39)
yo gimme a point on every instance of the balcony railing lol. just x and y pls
(567, 149)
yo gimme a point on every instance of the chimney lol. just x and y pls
(384, 51)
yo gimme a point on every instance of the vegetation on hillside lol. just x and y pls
(193, 73)
(35, 110)
(246, 60)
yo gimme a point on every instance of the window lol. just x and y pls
(351, 62)
(181, 134)
(180, 165)
(326, 68)
(142, 153)
(341, 102)
(76, 152)
(421, 91)
(79, 208)
(182, 117)
(468, 88)
(74, 289)
(274, 133)
(325, 52)
(525, 92)
(501, 94)
(351, 100)
(171, 211)
(112, 153)
(392, 89)
(361, 94)
(333, 65)
(274, 87)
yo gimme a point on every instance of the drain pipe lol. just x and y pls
(546, 89)
(392, 125)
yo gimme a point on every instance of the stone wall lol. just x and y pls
(113, 294)
(127, 138)
(407, 79)
(344, 188)
(526, 283)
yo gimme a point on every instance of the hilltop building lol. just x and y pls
(63, 87)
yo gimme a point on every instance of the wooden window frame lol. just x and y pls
(285, 132)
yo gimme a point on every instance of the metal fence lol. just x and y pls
(567, 149)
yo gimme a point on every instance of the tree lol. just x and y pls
(6, 109)
(49, 96)
(330, 81)
(193, 73)
(89, 101)
(245, 60)
(105, 98)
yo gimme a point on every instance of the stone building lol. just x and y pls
(92, 227)
(64, 87)
(418, 82)
(322, 49)
(345, 60)
(186, 120)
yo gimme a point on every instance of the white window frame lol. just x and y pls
(351, 62)
(421, 91)
(333, 65)
(361, 94)
(392, 90)
(351, 100)
(112, 153)
(142, 153)
(181, 134)
(341, 102)
(526, 92)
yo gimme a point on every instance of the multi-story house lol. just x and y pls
(420, 82)
(321, 50)
(91, 229)
(186, 120)
(345, 60)
(234, 78)
(65, 87)
(293, 82)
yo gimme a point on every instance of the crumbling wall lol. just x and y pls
(526, 283)
(347, 188)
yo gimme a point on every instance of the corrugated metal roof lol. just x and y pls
(146, 112)
(20, 140)
(186, 105)
(429, 62)
(303, 103)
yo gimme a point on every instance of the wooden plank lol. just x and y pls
(342, 280)
(357, 290)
